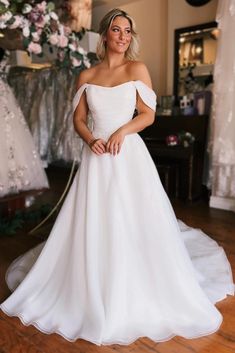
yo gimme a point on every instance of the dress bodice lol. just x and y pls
(111, 107)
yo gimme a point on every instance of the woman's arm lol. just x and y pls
(80, 120)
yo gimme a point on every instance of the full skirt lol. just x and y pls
(118, 265)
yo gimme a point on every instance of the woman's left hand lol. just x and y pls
(115, 141)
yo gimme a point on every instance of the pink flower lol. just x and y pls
(63, 41)
(41, 22)
(42, 6)
(61, 55)
(26, 31)
(76, 62)
(17, 22)
(53, 39)
(35, 16)
(34, 48)
(67, 30)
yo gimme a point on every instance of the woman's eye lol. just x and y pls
(127, 31)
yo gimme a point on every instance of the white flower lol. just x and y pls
(61, 28)
(2, 24)
(53, 15)
(5, 2)
(46, 18)
(81, 51)
(35, 36)
(87, 63)
(25, 22)
(76, 62)
(6, 16)
(67, 30)
(72, 47)
(27, 8)
(26, 31)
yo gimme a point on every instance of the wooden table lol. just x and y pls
(189, 159)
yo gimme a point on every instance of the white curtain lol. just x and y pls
(222, 172)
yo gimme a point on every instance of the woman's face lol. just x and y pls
(118, 36)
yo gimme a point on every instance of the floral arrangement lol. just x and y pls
(182, 138)
(38, 24)
(172, 140)
(186, 138)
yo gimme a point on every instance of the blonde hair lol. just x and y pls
(133, 49)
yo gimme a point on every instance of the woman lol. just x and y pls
(21, 168)
(116, 265)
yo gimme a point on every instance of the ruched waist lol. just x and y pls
(105, 130)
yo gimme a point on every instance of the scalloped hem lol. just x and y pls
(106, 343)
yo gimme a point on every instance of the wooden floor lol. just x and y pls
(17, 338)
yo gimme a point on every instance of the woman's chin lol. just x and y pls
(120, 50)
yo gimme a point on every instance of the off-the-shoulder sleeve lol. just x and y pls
(147, 94)
(78, 95)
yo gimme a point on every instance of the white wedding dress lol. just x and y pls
(21, 167)
(117, 264)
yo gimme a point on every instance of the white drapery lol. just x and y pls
(222, 171)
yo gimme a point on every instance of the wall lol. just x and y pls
(150, 17)
(180, 14)
(156, 21)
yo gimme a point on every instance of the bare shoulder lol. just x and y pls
(86, 76)
(138, 71)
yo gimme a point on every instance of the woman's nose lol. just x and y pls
(122, 34)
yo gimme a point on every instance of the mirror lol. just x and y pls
(195, 53)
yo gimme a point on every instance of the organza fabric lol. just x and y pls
(117, 264)
(222, 139)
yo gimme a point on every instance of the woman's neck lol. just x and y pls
(112, 61)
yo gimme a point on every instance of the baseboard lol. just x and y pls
(222, 203)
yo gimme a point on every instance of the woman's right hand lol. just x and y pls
(98, 146)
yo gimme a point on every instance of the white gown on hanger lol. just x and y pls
(20, 165)
(117, 264)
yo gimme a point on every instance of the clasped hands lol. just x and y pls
(112, 146)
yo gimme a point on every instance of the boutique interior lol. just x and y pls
(189, 50)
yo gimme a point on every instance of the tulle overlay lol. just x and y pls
(21, 168)
(117, 264)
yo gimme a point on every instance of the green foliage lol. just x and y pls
(9, 226)
(2, 9)
(26, 42)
